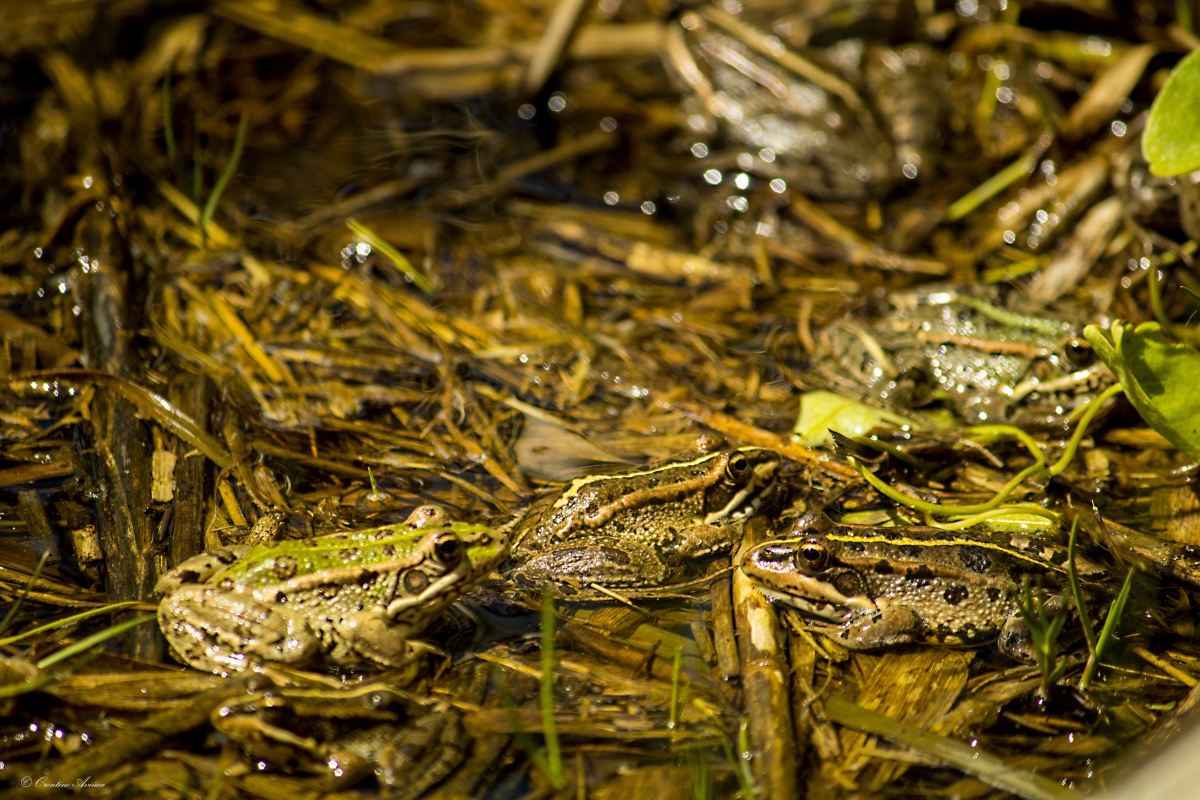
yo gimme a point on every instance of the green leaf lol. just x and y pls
(1171, 141)
(1160, 379)
(822, 412)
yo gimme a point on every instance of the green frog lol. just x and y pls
(874, 587)
(643, 528)
(344, 598)
(989, 364)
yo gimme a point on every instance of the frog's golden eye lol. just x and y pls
(1078, 353)
(447, 549)
(811, 556)
(738, 466)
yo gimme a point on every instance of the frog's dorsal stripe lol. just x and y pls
(576, 485)
(952, 541)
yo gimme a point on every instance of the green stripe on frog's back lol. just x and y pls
(343, 557)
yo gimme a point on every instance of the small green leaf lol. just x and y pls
(1159, 379)
(1171, 142)
(822, 412)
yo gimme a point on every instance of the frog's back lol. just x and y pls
(267, 565)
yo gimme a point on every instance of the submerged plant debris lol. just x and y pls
(445, 278)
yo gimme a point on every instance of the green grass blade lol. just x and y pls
(68, 620)
(24, 687)
(419, 279)
(1114, 615)
(971, 760)
(676, 675)
(239, 140)
(16, 606)
(92, 641)
(546, 698)
(1089, 632)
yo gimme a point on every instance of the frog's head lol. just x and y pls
(803, 571)
(448, 560)
(747, 476)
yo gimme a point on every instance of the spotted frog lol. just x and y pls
(989, 364)
(345, 598)
(643, 528)
(813, 123)
(874, 587)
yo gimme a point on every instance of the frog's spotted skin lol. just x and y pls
(638, 528)
(990, 365)
(876, 587)
(347, 597)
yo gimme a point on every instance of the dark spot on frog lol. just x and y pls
(856, 547)
(285, 567)
(1190, 552)
(956, 594)
(943, 632)
(883, 567)
(388, 550)
(652, 482)
(1058, 558)
(910, 551)
(975, 559)
(348, 553)
(921, 573)
(993, 594)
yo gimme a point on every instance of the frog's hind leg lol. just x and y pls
(603, 562)
(220, 631)
(199, 568)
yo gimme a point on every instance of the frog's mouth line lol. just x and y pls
(824, 610)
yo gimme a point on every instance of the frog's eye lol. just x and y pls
(1078, 353)
(811, 556)
(447, 548)
(738, 466)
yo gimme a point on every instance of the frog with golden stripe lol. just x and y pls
(873, 587)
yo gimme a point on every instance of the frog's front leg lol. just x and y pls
(608, 562)
(883, 627)
(370, 635)
(1016, 641)
(222, 631)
